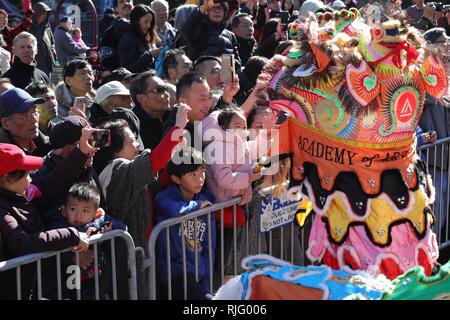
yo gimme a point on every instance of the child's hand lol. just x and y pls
(106, 228)
(90, 230)
(205, 203)
(83, 245)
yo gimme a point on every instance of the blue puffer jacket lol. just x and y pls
(170, 204)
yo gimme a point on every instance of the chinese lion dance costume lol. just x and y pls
(355, 94)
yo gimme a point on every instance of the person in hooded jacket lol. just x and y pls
(41, 29)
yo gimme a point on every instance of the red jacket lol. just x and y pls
(9, 33)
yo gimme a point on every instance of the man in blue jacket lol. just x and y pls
(187, 171)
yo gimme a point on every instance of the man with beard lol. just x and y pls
(19, 118)
(24, 70)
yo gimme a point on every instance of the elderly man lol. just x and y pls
(20, 118)
(78, 80)
(110, 96)
(166, 32)
(24, 70)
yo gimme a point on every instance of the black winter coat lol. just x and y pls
(21, 74)
(22, 229)
(207, 38)
(134, 54)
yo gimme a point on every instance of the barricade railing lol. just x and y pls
(232, 245)
(95, 241)
(288, 242)
(437, 158)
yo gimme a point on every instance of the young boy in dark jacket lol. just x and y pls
(187, 170)
(82, 211)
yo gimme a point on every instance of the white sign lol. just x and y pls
(277, 212)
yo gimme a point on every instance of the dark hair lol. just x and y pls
(202, 59)
(255, 111)
(291, 10)
(72, 66)
(137, 13)
(139, 84)
(184, 161)
(253, 68)
(225, 116)
(237, 19)
(106, 154)
(38, 88)
(269, 28)
(187, 80)
(84, 192)
(170, 61)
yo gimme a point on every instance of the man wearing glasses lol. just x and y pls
(20, 122)
(151, 97)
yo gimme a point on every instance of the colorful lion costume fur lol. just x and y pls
(355, 94)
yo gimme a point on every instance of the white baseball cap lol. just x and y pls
(113, 88)
(338, 4)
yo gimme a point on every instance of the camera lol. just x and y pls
(101, 138)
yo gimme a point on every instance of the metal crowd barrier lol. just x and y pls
(287, 243)
(95, 240)
(437, 158)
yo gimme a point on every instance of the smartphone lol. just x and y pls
(79, 103)
(284, 20)
(101, 138)
(228, 69)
